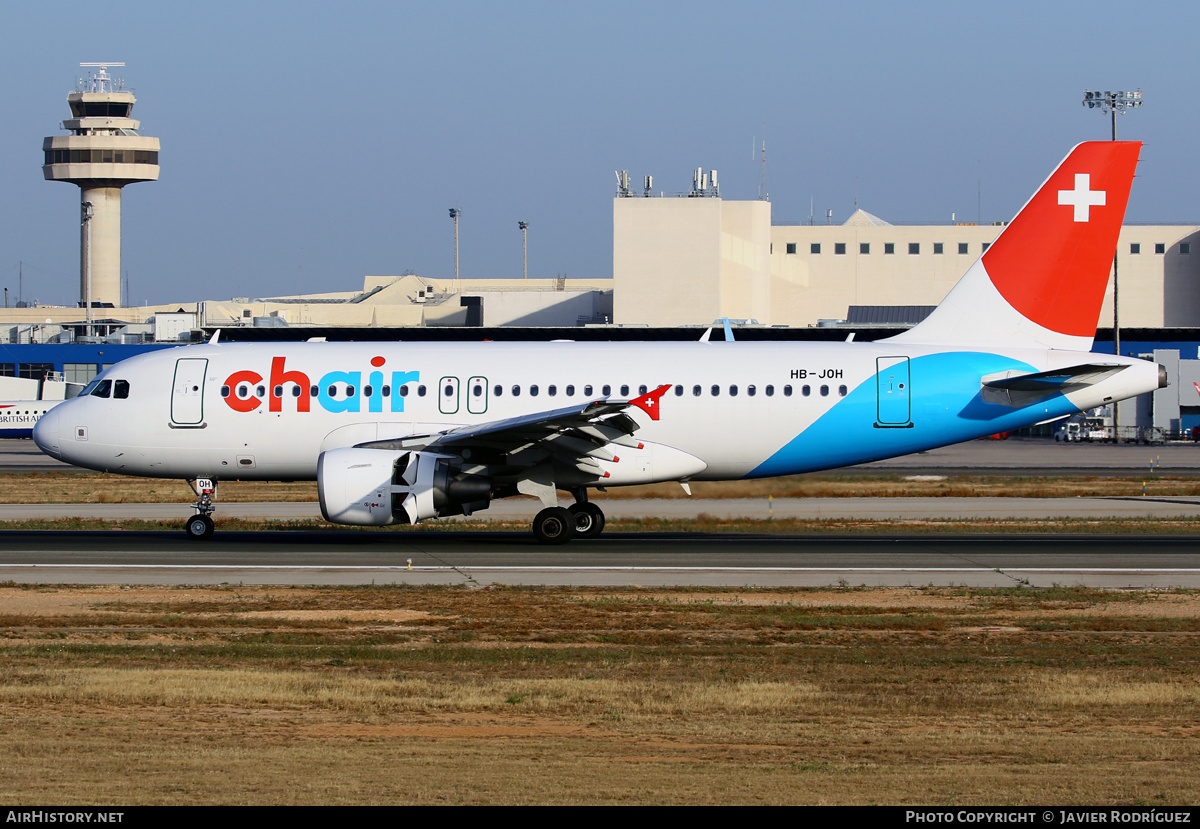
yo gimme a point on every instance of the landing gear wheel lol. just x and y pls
(200, 526)
(554, 525)
(589, 519)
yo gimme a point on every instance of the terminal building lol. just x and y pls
(696, 257)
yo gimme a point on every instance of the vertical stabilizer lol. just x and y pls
(1042, 282)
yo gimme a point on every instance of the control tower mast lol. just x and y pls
(101, 155)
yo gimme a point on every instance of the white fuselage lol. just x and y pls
(267, 411)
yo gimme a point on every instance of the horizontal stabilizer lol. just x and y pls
(1017, 390)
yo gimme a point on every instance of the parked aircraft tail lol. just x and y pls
(1042, 282)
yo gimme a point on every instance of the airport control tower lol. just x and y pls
(102, 153)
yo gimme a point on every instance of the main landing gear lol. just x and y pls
(558, 525)
(201, 524)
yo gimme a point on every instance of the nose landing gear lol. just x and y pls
(201, 525)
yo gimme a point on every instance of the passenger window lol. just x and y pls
(552, 390)
(404, 391)
(498, 390)
(516, 391)
(624, 391)
(103, 389)
(696, 390)
(570, 391)
(296, 391)
(824, 391)
(368, 391)
(679, 391)
(533, 390)
(716, 391)
(387, 391)
(243, 391)
(349, 392)
(448, 391)
(120, 389)
(420, 391)
(642, 390)
(261, 391)
(332, 391)
(805, 390)
(277, 391)
(750, 390)
(477, 390)
(733, 391)
(607, 390)
(842, 391)
(787, 391)
(770, 391)
(587, 391)
(224, 391)
(314, 391)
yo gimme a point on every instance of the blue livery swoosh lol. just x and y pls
(947, 407)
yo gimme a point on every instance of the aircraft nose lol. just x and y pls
(46, 432)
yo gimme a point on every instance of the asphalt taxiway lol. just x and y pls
(479, 558)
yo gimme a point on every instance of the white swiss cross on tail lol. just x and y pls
(1083, 197)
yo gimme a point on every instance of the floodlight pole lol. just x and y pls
(1112, 103)
(454, 211)
(524, 246)
(86, 220)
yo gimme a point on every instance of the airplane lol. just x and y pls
(398, 433)
(18, 417)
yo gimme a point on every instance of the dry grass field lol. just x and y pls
(244, 695)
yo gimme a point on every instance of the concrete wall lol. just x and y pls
(688, 261)
(667, 261)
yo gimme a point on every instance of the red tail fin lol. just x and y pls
(1043, 280)
(1052, 262)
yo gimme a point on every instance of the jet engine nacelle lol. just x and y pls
(376, 487)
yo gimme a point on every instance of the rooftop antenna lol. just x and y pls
(979, 191)
(101, 81)
(623, 189)
(762, 159)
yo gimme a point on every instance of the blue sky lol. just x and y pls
(307, 144)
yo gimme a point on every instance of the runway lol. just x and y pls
(618, 559)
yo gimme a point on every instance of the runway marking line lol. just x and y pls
(429, 568)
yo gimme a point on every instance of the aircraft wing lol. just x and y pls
(573, 436)
(1017, 390)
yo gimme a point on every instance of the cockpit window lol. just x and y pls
(90, 386)
(120, 389)
(103, 389)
